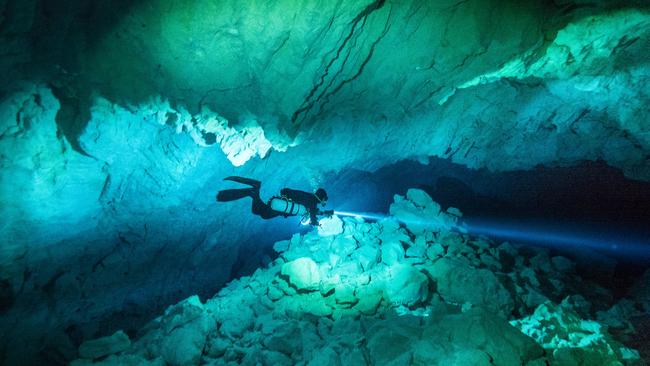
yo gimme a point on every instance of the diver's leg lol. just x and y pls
(262, 209)
(250, 182)
(235, 194)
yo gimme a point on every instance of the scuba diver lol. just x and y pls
(291, 202)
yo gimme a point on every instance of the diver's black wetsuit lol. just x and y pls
(264, 210)
(309, 200)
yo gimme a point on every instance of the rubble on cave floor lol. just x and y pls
(381, 293)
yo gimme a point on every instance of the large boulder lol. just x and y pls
(461, 283)
(391, 341)
(183, 332)
(367, 256)
(454, 339)
(302, 273)
(104, 346)
(330, 226)
(392, 252)
(475, 334)
(420, 213)
(406, 285)
(573, 340)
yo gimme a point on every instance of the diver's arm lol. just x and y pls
(313, 220)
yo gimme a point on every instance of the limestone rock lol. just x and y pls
(343, 246)
(281, 246)
(330, 226)
(369, 300)
(460, 283)
(466, 338)
(325, 357)
(406, 285)
(392, 252)
(276, 358)
(572, 339)
(100, 347)
(367, 256)
(302, 273)
(391, 342)
(335, 303)
(217, 347)
(475, 330)
(235, 325)
(346, 271)
(417, 211)
(285, 339)
(185, 328)
(435, 251)
(344, 294)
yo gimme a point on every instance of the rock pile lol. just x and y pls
(361, 293)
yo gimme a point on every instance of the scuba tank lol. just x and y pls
(287, 206)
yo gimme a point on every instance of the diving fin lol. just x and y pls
(250, 182)
(234, 194)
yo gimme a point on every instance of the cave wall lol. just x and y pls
(119, 120)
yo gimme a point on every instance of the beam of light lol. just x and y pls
(622, 245)
(625, 244)
(362, 215)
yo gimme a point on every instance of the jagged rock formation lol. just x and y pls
(318, 305)
(556, 83)
(81, 226)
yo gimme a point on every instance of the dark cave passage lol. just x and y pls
(591, 202)
(591, 197)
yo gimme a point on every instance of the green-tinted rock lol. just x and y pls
(406, 285)
(104, 346)
(302, 273)
(461, 283)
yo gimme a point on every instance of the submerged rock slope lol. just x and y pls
(93, 240)
(361, 293)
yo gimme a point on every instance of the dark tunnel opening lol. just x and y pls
(566, 205)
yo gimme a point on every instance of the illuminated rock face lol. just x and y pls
(552, 84)
(409, 79)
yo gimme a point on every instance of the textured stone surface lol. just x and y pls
(573, 340)
(461, 283)
(559, 77)
(90, 234)
(104, 346)
(401, 314)
(302, 273)
(418, 204)
(407, 286)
